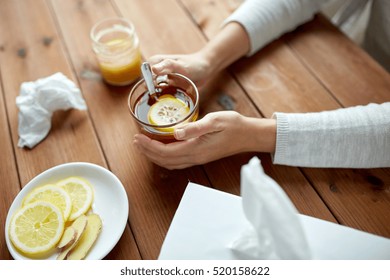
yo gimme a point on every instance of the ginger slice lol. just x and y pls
(87, 240)
(68, 237)
(79, 225)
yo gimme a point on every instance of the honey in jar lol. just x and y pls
(116, 46)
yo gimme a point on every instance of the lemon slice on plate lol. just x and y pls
(167, 110)
(81, 195)
(54, 195)
(36, 228)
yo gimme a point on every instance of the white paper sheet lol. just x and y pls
(207, 221)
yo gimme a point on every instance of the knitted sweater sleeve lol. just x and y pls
(266, 20)
(355, 137)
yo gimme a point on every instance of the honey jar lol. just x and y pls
(116, 46)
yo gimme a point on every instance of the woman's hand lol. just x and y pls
(216, 136)
(194, 66)
(230, 44)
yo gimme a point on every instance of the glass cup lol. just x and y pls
(175, 102)
(116, 46)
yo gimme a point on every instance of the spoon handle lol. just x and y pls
(148, 77)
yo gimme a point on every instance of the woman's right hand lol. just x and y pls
(194, 66)
(230, 44)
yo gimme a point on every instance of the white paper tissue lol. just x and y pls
(276, 231)
(38, 101)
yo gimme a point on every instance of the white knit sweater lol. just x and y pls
(357, 137)
(265, 20)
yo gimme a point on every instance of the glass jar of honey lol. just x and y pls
(116, 46)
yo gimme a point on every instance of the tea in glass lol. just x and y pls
(175, 102)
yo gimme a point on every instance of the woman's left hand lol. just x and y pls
(217, 135)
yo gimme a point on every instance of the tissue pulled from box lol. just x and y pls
(275, 230)
(38, 100)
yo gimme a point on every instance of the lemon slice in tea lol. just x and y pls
(81, 194)
(36, 228)
(167, 110)
(53, 194)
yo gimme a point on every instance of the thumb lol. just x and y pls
(194, 129)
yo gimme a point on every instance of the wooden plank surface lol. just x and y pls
(363, 79)
(41, 37)
(153, 192)
(32, 48)
(277, 80)
(27, 53)
(9, 186)
(366, 205)
(224, 174)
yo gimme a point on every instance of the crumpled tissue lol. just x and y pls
(275, 231)
(38, 100)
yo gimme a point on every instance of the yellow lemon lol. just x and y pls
(81, 195)
(53, 194)
(36, 228)
(167, 110)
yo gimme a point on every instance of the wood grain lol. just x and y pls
(301, 76)
(41, 37)
(223, 174)
(366, 205)
(322, 47)
(25, 53)
(9, 186)
(153, 192)
(32, 47)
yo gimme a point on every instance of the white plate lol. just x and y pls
(110, 203)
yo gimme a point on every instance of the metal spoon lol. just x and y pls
(148, 77)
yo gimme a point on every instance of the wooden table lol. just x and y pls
(314, 68)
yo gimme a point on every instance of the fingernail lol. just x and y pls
(179, 133)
